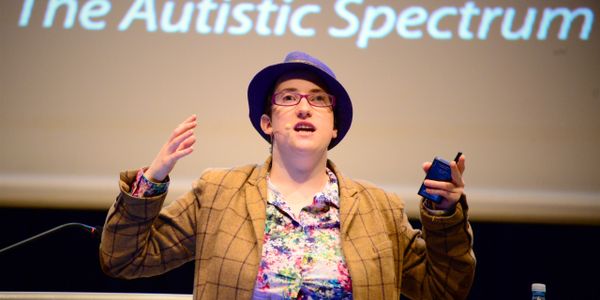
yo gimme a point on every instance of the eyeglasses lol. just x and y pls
(288, 98)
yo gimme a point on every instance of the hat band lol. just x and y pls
(311, 64)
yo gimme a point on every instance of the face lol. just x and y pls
(301, 127)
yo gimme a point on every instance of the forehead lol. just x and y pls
(300, 79)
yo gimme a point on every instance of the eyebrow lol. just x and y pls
(315, 90)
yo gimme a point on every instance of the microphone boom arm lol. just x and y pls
(88, 228)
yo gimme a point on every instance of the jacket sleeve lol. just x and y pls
(439, 262)
(140, 238)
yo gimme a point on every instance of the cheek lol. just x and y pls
(331, 125)
(279, 113)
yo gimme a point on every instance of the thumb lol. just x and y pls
(426, 166)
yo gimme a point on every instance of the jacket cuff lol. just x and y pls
(137, 208)
(441, 222)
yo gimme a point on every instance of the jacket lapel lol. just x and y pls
(348, 200)
(256, 200)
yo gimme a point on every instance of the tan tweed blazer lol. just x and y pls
(220, 225)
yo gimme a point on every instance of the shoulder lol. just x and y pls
(368, 193)
(217, 186)
(367, 189)
(371, 194)
(229, 177)
(377, 207)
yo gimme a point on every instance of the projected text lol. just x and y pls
(362, 23)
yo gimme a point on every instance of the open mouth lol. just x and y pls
(304, 126)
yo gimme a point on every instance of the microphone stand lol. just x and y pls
(90, 229)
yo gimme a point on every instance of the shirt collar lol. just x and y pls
(329, 195)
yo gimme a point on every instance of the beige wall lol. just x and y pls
(78, 106)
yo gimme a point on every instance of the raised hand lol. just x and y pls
(179, 145)
(450, 191)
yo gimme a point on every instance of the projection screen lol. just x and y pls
(93, 87)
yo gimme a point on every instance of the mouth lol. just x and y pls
(304, 127)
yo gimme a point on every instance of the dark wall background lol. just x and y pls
(510, 257)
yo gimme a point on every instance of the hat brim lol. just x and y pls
(262, 86)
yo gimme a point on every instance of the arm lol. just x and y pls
(439, 263)
(139, 237)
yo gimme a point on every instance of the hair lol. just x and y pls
(268, 110)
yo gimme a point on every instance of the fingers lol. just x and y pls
(441, 185)
(187, 143)
(457, 171)
(185, 148)
(182, 132)
(175, 144)
(456, 175)
(461, 164)
(186, 125)
(448, 190)
(179, 154)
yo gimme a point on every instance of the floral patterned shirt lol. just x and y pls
(143, 187)
(302, 255)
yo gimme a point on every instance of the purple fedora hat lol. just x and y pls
(263, 83)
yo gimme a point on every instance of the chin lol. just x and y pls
(310, 147)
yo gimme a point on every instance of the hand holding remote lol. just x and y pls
(443, 183)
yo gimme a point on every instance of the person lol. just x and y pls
(294, 227)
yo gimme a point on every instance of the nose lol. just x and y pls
(303, 108)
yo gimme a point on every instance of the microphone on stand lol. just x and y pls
(94, 231)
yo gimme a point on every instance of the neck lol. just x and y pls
(306, 169)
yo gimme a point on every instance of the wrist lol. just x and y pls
(438, 210)
(154, 177)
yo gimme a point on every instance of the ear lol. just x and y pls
(265, 124)
(334, 133)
